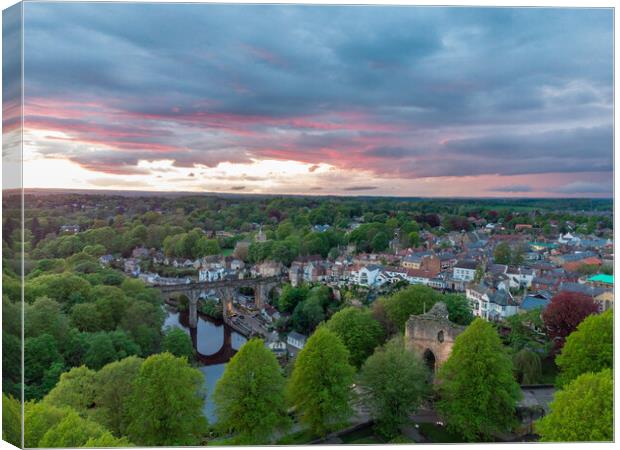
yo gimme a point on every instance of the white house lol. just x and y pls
(367, 276)
(296, 340)
(418, 276)
(491, 304)
(569, 239)
(464, 270)
(212, 273)
(520, 277)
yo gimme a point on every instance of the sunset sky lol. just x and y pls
(392, 101)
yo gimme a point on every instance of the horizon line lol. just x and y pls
(257, 194)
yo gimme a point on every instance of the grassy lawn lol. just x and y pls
(437, 434)
(227, 251)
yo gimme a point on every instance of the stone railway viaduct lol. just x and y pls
(225, 289)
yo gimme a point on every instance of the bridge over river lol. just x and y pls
(225, 289)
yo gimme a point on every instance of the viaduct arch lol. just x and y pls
(225, 289)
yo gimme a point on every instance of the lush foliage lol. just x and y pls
(581, 411)
(459, 310)
(49, 426)
(249, 397)
(114, 387)
(314, 309)
(527, 366)
(564, 313)
(320, 385)
(166, 403)
(394, 311)
(359, 332)
(590, 348)
(193, 244)
(394, 381)
(476, 384)
(11, 420)
(178, 342)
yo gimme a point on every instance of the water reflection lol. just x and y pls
(211, 374)
(214, 342)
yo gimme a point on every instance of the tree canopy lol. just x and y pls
(411, 300)
(320, 385)
(477, 389)
(590, 348)
(166, 403)
(394, 381)
(564, 313)
(179, 343)
(249, 397)
(114, 387)
(358, 331)
(581, 411)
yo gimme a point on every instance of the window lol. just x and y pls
(440, 336)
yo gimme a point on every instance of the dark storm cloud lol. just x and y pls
(579, 143)
(360, 188)
(414, 92)
(584, 187)
(390, 152)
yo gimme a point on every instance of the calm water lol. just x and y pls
(208, 339)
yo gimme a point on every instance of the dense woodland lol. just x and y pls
(98, 366)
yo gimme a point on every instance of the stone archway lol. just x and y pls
(429, 359)
(432, 334)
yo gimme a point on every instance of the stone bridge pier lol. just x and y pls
(226, 291)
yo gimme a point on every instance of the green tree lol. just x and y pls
(459, 310)
(40, 354)
(291, 297)
(107, 440)
(74, 431)
(100, 351)
(394, 381)
(113, 387)
(166, 404)
(502, 254)
(412, 300)
(582, 411)
(38, 419)
(11, 420)
(358, 331)
(249, 398)
(177, 342)
(308, 314)
(414, 239)
(44, 316)
(380, 242)
(320, 385)
(590, 348)
(76, 389)
(85, 317)
(11, 364)
(527, 366)
(476, 384)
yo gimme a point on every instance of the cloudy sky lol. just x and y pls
(324, 100)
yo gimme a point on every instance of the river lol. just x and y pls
(215, 343)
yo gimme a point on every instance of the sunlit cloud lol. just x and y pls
(327, 100)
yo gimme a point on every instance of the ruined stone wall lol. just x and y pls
(432, 331)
